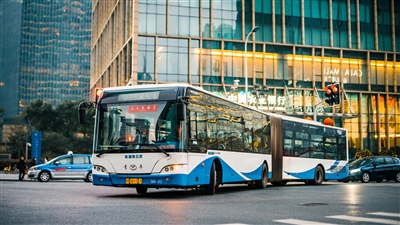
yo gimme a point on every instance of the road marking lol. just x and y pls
(385, 214)
(364, 219)
(302, 222)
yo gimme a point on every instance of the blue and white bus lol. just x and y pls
(181, 136)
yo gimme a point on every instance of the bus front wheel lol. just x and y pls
(210, 188)
(141, 190)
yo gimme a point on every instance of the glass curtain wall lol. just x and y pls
(203, 43)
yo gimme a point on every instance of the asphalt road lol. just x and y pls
(77, 202)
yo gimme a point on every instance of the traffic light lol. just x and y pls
(332, 94)
(97, 94)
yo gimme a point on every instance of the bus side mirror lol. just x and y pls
(82, 112)
(180, 111)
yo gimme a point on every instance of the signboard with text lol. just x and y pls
(36, 146)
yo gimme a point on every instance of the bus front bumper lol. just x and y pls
(152, 180)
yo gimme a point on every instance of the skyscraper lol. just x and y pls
(45, 52)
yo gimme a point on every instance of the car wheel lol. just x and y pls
(89, 177)
(365, 177)
(260, 184)
(141, 190)
(397, 178)
(44, 176)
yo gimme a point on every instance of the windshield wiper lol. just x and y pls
(159, 148)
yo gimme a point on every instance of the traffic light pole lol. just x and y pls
(315, 109)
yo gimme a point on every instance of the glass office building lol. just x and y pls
(301, 47)
(45, 51)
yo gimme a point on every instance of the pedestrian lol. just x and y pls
(21, 167)
(33, 162)
(46, 159)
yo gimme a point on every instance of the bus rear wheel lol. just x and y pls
(260, 184)
(318, 176)
(141, 190)
(212, 186)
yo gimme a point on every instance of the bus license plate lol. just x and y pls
(133, 181)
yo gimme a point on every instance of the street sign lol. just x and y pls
(36, 146)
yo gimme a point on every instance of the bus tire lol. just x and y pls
(260, 184)
(141, 190)
(318, 176)
(210, 188)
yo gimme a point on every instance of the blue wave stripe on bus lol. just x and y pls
(335, 164)
(230, 175)
(329, 175)
(309, 174)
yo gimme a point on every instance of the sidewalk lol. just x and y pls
(12, 177)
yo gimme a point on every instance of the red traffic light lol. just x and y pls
(328, 90)
(97, 93)
(334, 88)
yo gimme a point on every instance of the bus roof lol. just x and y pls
(200, 89)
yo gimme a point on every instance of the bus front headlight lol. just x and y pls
(171, 168)
(100, 169)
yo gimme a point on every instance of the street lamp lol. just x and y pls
(26, 149)
(255, 29)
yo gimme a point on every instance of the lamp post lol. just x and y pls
(26, 149)
(255, 29)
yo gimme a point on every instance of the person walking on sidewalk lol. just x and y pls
(21, 167)
(33, 162)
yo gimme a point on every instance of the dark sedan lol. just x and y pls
(375, 168)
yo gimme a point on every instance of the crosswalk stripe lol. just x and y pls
(301, 222)
(364, 219)
(385, 214)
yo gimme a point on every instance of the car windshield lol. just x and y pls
(360, 162)
(127, 127)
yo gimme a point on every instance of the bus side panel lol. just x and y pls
(236, 166)
(295, 168)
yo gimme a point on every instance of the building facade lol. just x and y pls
(45, 52)
(301, 47)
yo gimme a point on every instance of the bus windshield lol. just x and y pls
(130, 127)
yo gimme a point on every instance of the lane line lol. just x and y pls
(302, 222)
(385, 214)
(364, 219)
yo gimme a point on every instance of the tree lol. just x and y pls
(54, 144)
(17, 140)
(59, 127)
(388, 152)
(39, 115)
(66, 121)
(363, 153)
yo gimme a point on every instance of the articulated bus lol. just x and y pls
(181, 136)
